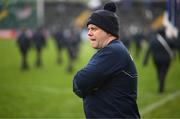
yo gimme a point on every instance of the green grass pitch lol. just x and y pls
(46, 92)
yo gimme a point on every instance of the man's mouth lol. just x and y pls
(93, 39)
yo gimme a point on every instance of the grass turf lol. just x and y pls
(46, 92)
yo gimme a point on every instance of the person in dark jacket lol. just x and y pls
(23, 43)
(60, 44)
(72, 38)
(162, 54)
(108, 83)
(39, 42)
(138, 38)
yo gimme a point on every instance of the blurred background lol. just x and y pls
(43, 43)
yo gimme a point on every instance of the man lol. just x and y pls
(39, 41)
(23, 43)
(160, 47)
(108, 84)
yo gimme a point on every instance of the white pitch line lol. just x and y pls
(160, 103)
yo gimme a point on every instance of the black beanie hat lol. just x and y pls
(106, 19)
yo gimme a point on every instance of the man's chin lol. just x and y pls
(93, 46)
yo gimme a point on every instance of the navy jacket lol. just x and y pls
(108, 84)
(157, 50)
(23, 43)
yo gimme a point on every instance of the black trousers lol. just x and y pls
(162, 70)
(24, 63)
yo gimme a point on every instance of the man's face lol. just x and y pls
(97, 36)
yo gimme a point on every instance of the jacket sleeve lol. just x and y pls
(90, 78)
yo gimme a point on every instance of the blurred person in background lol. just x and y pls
(72, 39)
(126, 41)
(23, 43)
(60, 43)
(160, 47)
(138, 38)
(39, 41)
(108, 83)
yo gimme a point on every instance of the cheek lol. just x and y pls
(100, 38)
(100, 35)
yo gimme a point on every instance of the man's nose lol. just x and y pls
(89, 33)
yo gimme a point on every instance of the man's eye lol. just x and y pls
(93, 29)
